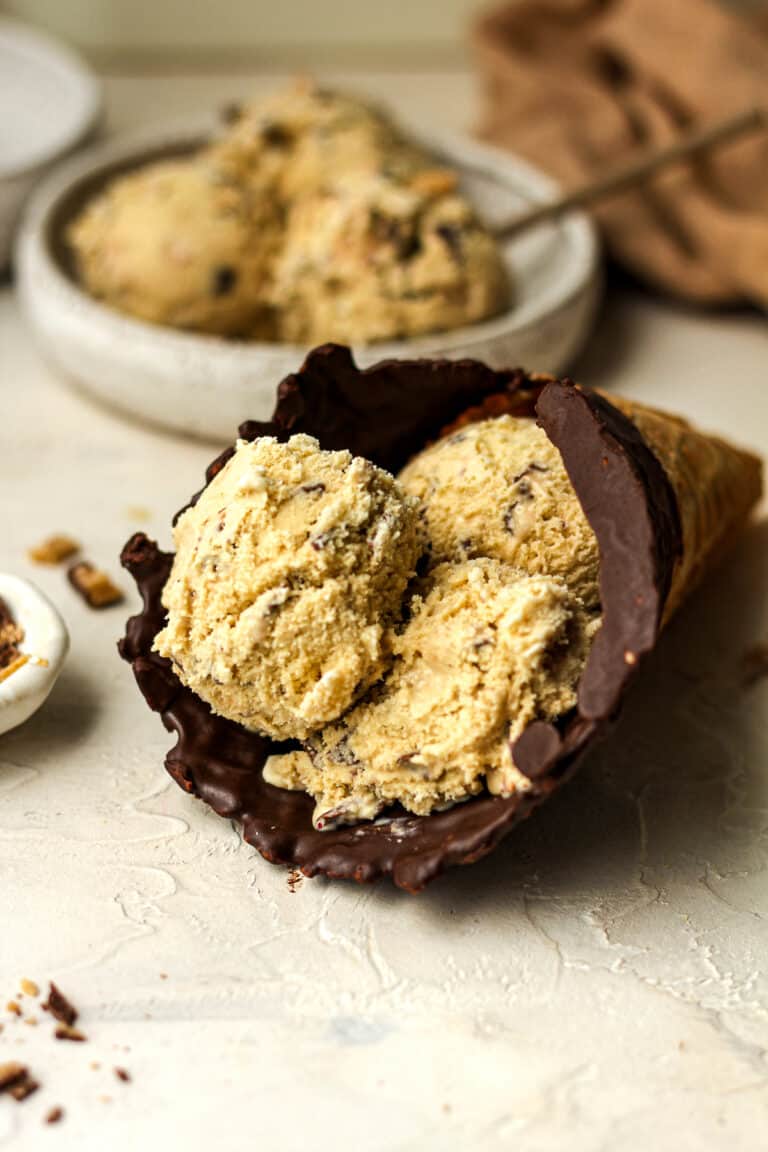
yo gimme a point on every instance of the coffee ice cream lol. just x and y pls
(289, 578)
(499, 488)
(485, 652)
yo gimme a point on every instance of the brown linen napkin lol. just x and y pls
(583, 86)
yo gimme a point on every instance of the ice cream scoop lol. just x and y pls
(289, 575)
(485, 651)
(36, 643)
(499, 488)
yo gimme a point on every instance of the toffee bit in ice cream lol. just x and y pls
(289, 576)
(223, 280)
(486, 651)
(499, 488)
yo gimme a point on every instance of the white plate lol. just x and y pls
(206, 386)
(49, 103)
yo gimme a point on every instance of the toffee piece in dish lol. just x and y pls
(631, 471)
(33, 644)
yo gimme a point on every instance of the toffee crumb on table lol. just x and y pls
(95, 586)
(53, 549)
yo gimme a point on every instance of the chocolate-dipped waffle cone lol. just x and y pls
(715, 483)
(660, 498)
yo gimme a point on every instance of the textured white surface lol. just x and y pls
(598, 983)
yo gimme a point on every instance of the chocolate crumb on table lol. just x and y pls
(123, 1074)
(53, 550)
(95, 586)
(59, 1006)
(54, 1115)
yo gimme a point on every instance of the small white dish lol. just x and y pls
(25, 688)
(49, 102)
(206, 386)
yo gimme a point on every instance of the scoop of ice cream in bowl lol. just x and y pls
(311, 218)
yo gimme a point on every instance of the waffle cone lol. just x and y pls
(662, 499)
(715, 483)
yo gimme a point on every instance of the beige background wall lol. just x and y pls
(273, 31)
(266, 32)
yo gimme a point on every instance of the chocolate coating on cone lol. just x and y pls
(387, 413)
(611, 467)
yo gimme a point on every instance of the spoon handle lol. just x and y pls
(702, 140)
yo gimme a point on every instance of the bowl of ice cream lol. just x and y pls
(176, 275)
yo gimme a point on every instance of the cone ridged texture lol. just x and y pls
(716, 485)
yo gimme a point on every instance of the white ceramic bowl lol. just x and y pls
(49, 103)
(206, 386)
(45, 644)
